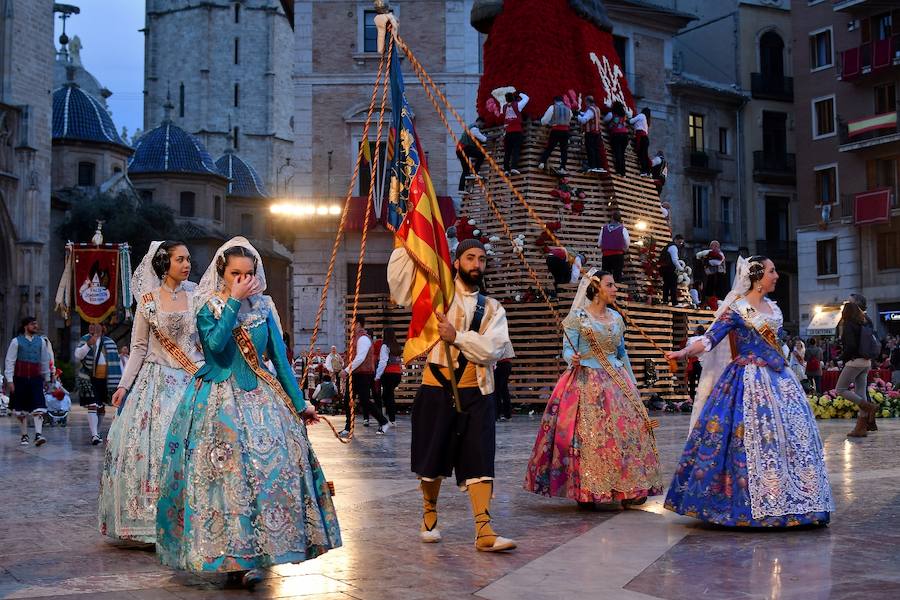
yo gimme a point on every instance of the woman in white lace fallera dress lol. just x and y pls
(164, 357)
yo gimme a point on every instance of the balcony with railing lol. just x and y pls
(870, 58)
(768, 87)
(701, 161)
(865, 132)
(774, 167)
(783, 252)
(867, 207)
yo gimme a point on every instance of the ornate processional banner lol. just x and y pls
(96, 275)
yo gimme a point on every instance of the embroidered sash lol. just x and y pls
(765, 331)
(248, 351)
(168, 345)
(617, 378)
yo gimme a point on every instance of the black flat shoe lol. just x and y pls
(251, 578)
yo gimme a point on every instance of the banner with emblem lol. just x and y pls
(96, 273)
(96, 280)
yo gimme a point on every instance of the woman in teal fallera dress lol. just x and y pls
(241, 487)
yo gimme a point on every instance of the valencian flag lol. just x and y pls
(414, 215)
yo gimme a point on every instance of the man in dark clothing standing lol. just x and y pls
(362, 372)
(668, 269)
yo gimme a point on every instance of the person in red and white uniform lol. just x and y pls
(557, 117)
(641, 123)
(512, 122)
(591, 122)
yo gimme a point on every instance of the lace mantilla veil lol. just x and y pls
(144, 278)
(212, 282)
(581, 300)
(716, 360)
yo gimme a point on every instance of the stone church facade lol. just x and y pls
(226, 67)
(26, 77)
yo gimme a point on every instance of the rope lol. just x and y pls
(337, 241)
(370, 200)
(430, 90)
(673, 364)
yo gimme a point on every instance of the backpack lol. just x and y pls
(869, 346)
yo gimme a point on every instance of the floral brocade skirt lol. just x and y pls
(754, 457)
(594, 444)
(241, 487)
(129, 484)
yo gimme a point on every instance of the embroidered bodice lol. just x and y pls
(178, 326)
(216, 322)
(750, 328)
(610, 337)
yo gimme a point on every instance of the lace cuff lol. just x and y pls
(707, 343)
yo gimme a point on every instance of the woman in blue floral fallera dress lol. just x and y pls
(241, 487)
(754, 457)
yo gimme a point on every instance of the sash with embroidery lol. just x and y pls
(617, 378)
(765, 331)
(168, 345)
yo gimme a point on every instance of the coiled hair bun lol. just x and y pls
(162, 260)
(757, 268)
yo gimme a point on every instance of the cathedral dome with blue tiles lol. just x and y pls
(245, 181)
(79, 116)
(170, 149)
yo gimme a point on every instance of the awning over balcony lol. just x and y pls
(873, 206)
(868, 124)
(824, 322)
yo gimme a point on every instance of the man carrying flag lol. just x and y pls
(453, 419)
(444, 440)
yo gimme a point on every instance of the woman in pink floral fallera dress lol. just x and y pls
(595, 445)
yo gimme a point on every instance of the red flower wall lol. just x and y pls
(542, 47)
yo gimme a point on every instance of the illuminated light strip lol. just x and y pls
(296, 209)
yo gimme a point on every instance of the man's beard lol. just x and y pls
(471, 280)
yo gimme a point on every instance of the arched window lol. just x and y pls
(181, 100)
(187, 204)
(771, 56)
(217, 208)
